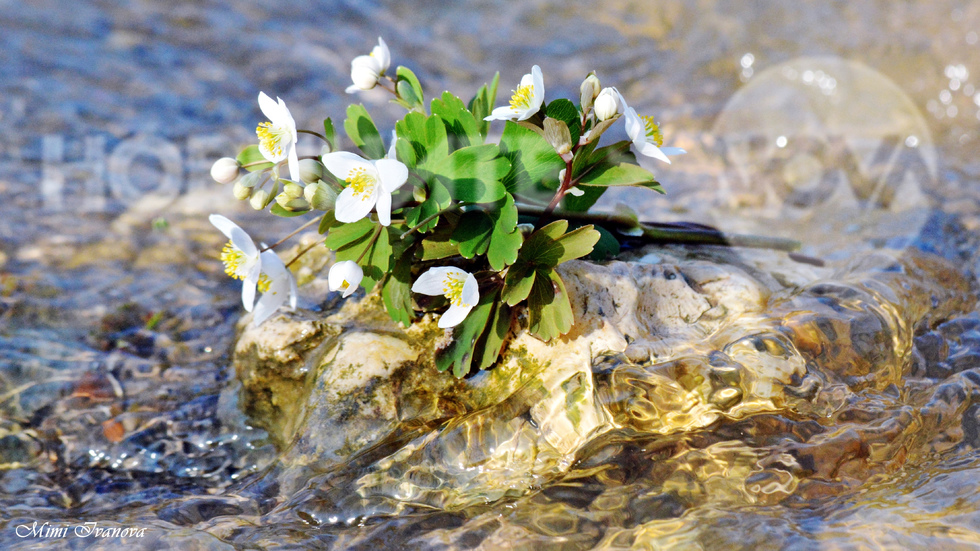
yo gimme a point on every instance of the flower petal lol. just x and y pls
(537, 79)
(392, 173)
(383, 208)
(471, 291)
(350, 208)
(345, 271)
(249, 285)
(342, 163)
(503, 114)
(454, 316)
(432, 281)
(293, 163)
(223, 224)
(269, 108)
(243, 242)
(651, 150)
(382, 54)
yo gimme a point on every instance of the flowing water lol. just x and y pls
(852, 127)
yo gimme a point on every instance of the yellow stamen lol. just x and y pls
(522, 97)
(452, 287)
(270, 137)
(653, 130)
(264, 283)
(234, 260)
(361, 182)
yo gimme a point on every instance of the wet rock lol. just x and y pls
(705, 335)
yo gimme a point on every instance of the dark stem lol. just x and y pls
(428, 219)
(656, 232)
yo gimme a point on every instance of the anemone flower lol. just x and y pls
(646, 137)
(277, 285)
(241, 257)
(526, 100)
(459, 286)
(345, 276)
(369, 184)
(366, 70)
(277, 138)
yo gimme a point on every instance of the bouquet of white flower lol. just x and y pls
(435, 219)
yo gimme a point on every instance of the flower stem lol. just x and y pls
(428, 219)
(305, 250)
(294, 232)
(374, 238)
(313, 133)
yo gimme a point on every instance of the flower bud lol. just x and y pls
(310, 171)
(241, 190)
(365, 71)
(292, 203)
(557, 134)
(260, 199)
(589, 89)
(224, 170)
(607, 104)
(292, 190)
(320, 196)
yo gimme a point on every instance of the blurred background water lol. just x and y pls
(115, 319)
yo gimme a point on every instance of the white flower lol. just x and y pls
(646, 137)
(241, 257)
(369, 183)
(277, 138)
(459, 286)
(277, 285)
(526, 100)
(224, 170)
(608, 103)
(345, 276)
(366, 70)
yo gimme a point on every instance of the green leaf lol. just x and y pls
(428, 138)
(505, 240)
(405, 153)
(251, 154)
(374, 255)
(461, 126)
(346, 234)
(459, 353)
(490, 345)
(542, 248)
(565, 111)
(582, 203)
(622, 174)
(326, 222)
(549, 310)
(279, 211)
(330, 133)
(414, 87)
(437, 201)
(438, 245)
(361, 130)
(578, 243)
(474, 174)
(606, 247)
(472, 233)
(482, 104)
(396, 290)
(517, 284)
(533, 161)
